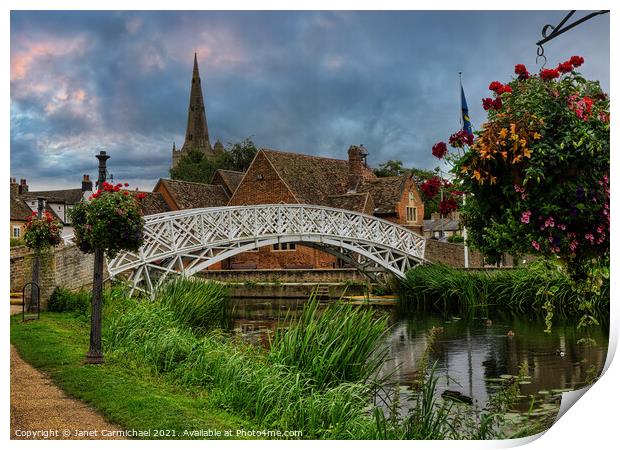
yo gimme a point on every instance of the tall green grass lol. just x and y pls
(199, 304)
(340, 343)
(520, 289)
(270, 388)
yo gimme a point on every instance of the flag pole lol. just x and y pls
(465, 248)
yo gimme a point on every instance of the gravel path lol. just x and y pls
(40, 410)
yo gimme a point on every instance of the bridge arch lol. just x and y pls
(188, 241)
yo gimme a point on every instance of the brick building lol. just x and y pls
(284, 177)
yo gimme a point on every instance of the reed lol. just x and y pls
(338, 344)
(520, 289)
(200, 304)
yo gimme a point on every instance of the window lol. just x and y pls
(17, 231)
(412, 214)
(411, 198)
(284, 247)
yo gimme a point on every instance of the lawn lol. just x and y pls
(126, 395)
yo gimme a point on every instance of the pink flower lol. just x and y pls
(549, 222)
(519, 188)
(536, 245)
(562, 227)
(590, 238)
(525, 217)
(573, 245)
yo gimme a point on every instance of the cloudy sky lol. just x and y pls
(309, 82)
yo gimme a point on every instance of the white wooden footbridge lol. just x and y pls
(188, 241)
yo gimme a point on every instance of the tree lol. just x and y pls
(197, 167)
(390, 168)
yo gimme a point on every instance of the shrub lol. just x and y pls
(64, 300)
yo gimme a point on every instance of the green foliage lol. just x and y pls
(42, 232)
(197, 167)
(390, 168)
(533, 287)
(338, 344)
(456, 239)
(110, 220)
(64, 300)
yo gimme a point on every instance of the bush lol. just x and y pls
(456, 239)
(64, 300)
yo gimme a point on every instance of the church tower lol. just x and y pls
(196, 133)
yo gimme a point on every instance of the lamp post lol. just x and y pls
(36, 264)
(95, 353)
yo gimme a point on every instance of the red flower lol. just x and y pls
(125, 193)
(447, 206)
(505, 90)
(461, 138)
(522, 72)
(126, 184)
(440, 149)
(141, 195)
(430, 187)
(496, 86)
(565, 67)
(497, 103)
(576, 61)
(487, 103)
(549, 74)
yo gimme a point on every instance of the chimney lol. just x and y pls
(357, 166)
(14, 187)
(87, 185)
(23, 187)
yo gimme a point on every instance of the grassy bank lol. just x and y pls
(126, 394)
(521, 289)
(171, 365)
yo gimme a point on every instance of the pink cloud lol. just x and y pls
(30, 52)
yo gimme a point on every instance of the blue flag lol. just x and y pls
(465, 111)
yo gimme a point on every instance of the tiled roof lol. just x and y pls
(69, 196)
(19, 209)
(385, 191)
(313, 179)
(189, 195)
(448, 224)
(230, 178)
(355, 202)
(153, 203)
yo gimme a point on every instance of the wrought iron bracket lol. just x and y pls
(550, 32)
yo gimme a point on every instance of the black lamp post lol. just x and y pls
(36, 265)
(95, 353)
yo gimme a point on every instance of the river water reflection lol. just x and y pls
(471, 352)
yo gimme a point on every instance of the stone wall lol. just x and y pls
(285, 276)
(451, 255)
(64, 266)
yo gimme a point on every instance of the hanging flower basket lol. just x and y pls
(110, 220)
(539, 168)
(42, 232)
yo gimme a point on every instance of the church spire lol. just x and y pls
(196, 133)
